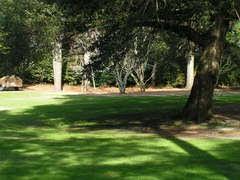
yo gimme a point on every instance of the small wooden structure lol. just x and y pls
(11, 83)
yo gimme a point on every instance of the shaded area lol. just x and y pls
(110, 111)
(227, 111)
(58, 140)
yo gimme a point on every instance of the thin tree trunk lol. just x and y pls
(57, 66)
(93, 78)
(190, 70)
(85, 76)
(121, 86)
(142, 88)
(122, 89)
(122, 82)
(200, 102)
(154, 71)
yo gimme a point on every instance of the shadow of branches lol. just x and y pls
(32, 146)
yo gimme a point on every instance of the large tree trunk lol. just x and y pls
(200, 102)
(190, 69)
(57, 66)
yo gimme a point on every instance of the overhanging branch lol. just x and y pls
(182, 30)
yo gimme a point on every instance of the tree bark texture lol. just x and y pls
(200, 103)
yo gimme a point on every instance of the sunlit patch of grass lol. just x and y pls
(47, 136)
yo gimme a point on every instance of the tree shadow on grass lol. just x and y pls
(225, 167)
(114, 158)
(117, 111)
(227, 107)
(48, 154)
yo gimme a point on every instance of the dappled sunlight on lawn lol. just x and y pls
(77, 137)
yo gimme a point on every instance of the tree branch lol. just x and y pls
(182, 30)
(238, 15)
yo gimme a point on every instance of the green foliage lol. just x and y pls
(171, 73)
(180, 80)
(44, 21)
(3, 34)
(105, 78)
(229, 67)
(230, 61)
(231, 79)
(72, 77)
(234, 35)
(31, 27)
(3, 48)
(41, 72)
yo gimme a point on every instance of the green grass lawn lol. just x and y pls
(46, 136)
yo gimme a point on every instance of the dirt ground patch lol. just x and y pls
(204, 130)
(132, 91)
(106, 90)
(201, 131)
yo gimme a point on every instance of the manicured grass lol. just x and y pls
(47, 136)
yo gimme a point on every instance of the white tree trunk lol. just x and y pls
(57, 66)
(85, 78)
(93, 78)
(190, 70)
(154, 71)
(87, 58)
